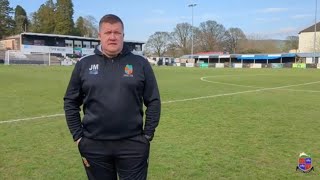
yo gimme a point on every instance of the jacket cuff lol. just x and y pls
(77, 136)
(149, 138)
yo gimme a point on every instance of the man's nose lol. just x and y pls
(113, 35)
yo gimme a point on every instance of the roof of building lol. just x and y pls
(17, 36)
(311, 28)
(317, 54)
(65, 36)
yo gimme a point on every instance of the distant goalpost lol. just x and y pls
(17, 57)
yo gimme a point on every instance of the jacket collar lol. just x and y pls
(125, 51)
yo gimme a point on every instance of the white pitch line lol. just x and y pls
(179, 100)
(239, 85)
(300, 90)
(240, 92)
(217, 82)
(31, 118)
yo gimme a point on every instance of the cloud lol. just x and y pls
(268, 20)
(287, 30)
(282, 32)
(301, 16)
(273, 10)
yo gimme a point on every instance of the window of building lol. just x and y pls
(94, 44)
(77, 44)
(68, 43)
(138, 47)
(86, 44)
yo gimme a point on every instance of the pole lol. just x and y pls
(192, 5)
(315, 33)
(49, 58)
(192, 35)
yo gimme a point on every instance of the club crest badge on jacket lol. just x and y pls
(128, 71)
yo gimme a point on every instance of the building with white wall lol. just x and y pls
(306, 39)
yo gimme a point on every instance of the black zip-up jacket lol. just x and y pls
(112, 92)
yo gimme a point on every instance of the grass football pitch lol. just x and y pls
(215, 124)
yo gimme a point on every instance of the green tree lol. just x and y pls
(80, 29)
(21, 20)
(86, 26)
(43, 21)
(64, 17)
(6, 22)
(34, 25)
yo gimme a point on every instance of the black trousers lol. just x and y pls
(107, 160)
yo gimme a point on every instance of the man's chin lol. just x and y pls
(112, 53)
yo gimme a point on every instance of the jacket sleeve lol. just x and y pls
(72, 101)
(152, 101)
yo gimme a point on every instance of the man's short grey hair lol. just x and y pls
(110, 18)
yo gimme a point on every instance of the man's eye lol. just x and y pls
(116, 33)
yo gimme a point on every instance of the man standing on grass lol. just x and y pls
(112, 85)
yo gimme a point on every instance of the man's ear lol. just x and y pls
(123, 35)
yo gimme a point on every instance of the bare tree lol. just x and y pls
(291, 42)
(256, 43)
(158, 43)
(211, 36)
(86, 26)
(91, 26)
(181, 37)
(233, 38)
(250, 45)
(173, 51)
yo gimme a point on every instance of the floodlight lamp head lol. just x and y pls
(192, 5)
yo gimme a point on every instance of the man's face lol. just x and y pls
(111, 38)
